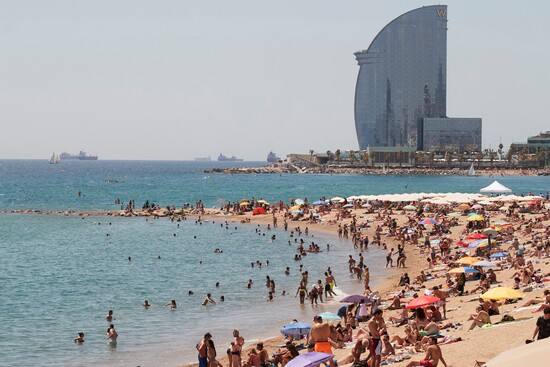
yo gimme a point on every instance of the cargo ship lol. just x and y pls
(82, 156)
(223, 158)
(272, 158)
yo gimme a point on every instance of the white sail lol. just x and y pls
(471, 171)
(54, 159)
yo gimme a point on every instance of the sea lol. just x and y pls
(61, 274)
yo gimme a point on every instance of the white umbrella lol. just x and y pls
(496, 188)
(337, 199)
(484, 264)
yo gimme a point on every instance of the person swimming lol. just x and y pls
(109, 316)
(172, 304)
(146, 304)
(79, 338)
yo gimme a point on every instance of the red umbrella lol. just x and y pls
(421, 302)
(476, 236)
(462, 244)
(258, 210)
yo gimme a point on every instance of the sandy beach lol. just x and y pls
(527, 223)
(476, 345)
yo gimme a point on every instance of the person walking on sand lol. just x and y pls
(202, 348)
(236, 349)
(432, 357)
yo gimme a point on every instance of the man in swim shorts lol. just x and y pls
(320, 337)
(433, 356)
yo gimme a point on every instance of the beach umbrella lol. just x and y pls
(348, 206)
(355, 298)
(421, 302)
(296, 329)
(498, 255)
(484, 264)
(532, 355)
(311, 359)
(299, 202)
(467, 260)
(330, 316)
(262, 202)
(410, 207)
(478, 243)
(337, 199)
(490, 231)
(476, 236)
(476, 218)
(258, 211)
(367, 205)
(463, 269)
(496, 188)
(319, 202)
(427, 221)
(244, 203)
(295, 207)
(477, 206)
(463, 207)
(462, 244)
(502, 293)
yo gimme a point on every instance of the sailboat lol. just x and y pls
(472, 171)
(54, 159)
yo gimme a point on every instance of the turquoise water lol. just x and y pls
(36, 184)
(60, 275)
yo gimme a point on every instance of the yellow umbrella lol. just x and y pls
(463, 206)
(476, 218)
(502, 293)
(295, 207)
(244, 203)
(468, 260)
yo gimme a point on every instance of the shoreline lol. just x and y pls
(379, 171)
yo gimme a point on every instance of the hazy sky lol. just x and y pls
(174, 80)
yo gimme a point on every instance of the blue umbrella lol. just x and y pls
(311, 359)
(498, 255)
(319, 202)
(468, 270)
(296, 329)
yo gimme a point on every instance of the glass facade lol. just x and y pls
(402, 78)
(456, 134)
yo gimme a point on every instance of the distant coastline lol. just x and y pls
(396, 171)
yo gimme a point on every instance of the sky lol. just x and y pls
(137, 79)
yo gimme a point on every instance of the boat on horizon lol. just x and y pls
(202, 159)
(223, 158)
(82, 156)
(54, 159)
(471, 170)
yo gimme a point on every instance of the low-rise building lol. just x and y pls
(449, 134)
